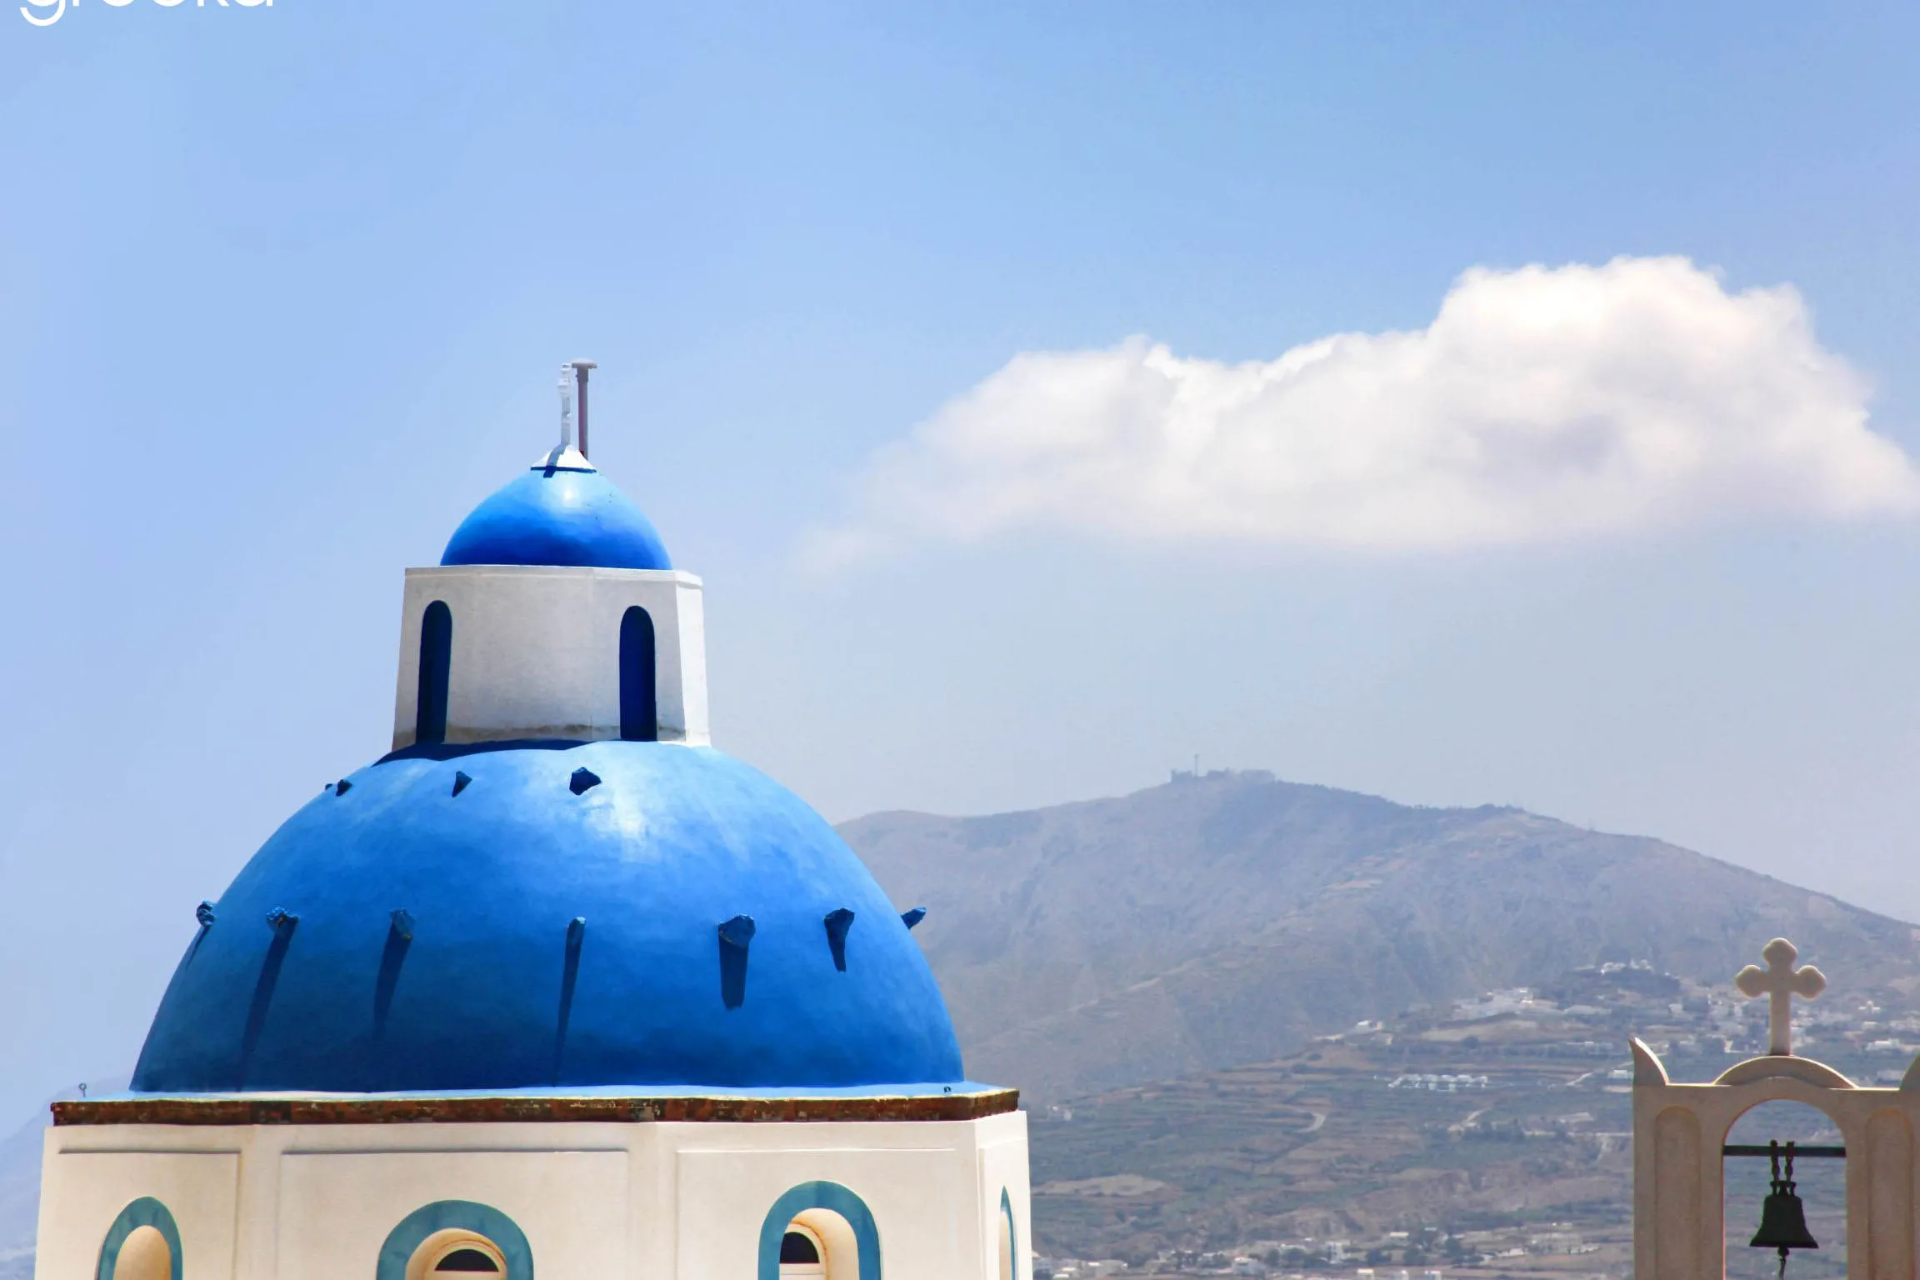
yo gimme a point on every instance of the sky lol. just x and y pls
(1463, 404)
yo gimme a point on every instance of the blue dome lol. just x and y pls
(429, 940)
(558, 516)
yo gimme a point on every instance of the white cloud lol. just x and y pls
(1540, 404)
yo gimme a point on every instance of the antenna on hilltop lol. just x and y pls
(580, 368)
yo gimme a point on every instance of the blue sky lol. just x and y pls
(282, 291)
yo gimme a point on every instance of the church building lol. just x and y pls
(552, 985)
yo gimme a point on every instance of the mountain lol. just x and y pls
(1226, 919)
(20, 1197)
(20, 1180)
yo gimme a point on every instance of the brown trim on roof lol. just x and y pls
(728, 1110)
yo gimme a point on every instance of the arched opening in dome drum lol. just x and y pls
(639, 700)
(829, 1238)
(819, 1231)
(144, 1255)
(800, 1254)
(466, 1260)
(455, 1240)
(457, 1255)
(436, 661)
(142, 1244)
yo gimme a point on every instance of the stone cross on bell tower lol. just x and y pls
(1781, 982)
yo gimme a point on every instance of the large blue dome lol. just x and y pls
(424, 937)
(557, 515)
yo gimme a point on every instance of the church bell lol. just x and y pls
(1783, 1219)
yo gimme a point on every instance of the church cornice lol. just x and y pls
(540, 1108)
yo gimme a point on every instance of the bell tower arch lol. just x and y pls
(1680, 1145)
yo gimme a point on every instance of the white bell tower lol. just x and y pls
(553, 616)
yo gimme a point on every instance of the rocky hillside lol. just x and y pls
(1223, 920)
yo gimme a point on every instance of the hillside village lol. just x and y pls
(1485, 1139)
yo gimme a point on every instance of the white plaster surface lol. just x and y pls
(536, 651)
(336, 1208)
(84, 1191)
(920, 1199)
(596, 1201)
(1003, 1166)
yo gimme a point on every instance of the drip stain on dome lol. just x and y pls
(735, 935)
(283, 923)
(392, 956)
(204, 915)
(839, 920)
(569, 979)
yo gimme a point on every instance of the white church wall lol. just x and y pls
(85, 1190)
(689, 672)
(1003, 1167)
(920, 1199)
(536, 651)
(922, 1181)
(655, 1201)
(336, 1208)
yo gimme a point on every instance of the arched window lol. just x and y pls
(455, 1240)
(468, 1256)
(144, 1256)
(819, 1231)
(142, 1244)
(802, 1256)
(639, 701)
(436, 658)
(456, 1255)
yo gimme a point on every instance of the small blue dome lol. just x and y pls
(424, 938)
(558, 516)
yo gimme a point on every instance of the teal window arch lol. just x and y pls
(832, 1197)
(1009, 1241)
(454, 1215)
(144, 1212)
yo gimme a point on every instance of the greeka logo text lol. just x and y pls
(44, 13)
